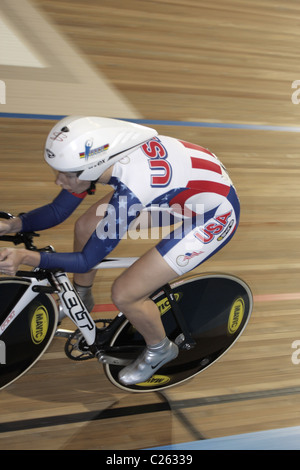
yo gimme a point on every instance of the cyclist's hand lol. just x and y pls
(10, 225)
(4, 227)
(10, 260)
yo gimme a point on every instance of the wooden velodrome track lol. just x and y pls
(222, 65)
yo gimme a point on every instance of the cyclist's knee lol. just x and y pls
(80, 227)
(117, 295)
(121, 296)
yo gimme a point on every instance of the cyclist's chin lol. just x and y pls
(66, 187)
(81, 186)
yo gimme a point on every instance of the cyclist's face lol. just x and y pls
(71, 182)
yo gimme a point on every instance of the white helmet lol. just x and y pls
(90, 145)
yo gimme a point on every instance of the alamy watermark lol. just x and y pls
(296, 93)
(296, 353)
(2, 353)
(125, 220)
(2, 92)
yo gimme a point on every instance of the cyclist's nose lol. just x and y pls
(58, 182)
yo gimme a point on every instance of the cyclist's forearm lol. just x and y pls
(14, 224)
(80, 262)
(30, 258)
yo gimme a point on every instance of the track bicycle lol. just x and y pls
(203, 314)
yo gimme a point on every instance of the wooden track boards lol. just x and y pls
(181, 61)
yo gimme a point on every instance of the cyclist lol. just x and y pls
(148, 172)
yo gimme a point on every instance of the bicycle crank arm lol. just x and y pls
(63, 333)
(116, 361)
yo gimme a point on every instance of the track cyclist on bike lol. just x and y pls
(184, 183)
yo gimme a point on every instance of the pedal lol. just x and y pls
(183, 344)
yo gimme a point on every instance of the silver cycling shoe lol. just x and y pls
(151, 359)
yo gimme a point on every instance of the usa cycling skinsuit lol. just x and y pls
(176, 179)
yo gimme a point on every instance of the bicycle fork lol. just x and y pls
(74, 308)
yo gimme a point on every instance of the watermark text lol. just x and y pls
(2, 352)
(2, 92)
(125, 220)
(296, 93)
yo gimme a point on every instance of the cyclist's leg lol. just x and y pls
(130, 294)
(131, 291)
(173, 256)
(84, 227)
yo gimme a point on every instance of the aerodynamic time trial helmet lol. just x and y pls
(89, 145)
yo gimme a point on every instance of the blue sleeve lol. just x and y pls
(51, 214)
(123, 208)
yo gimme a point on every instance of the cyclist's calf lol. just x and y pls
(140, 311)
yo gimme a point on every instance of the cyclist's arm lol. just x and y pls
(105, 238)
(94, 251)
(79, 262)
(51, 214)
